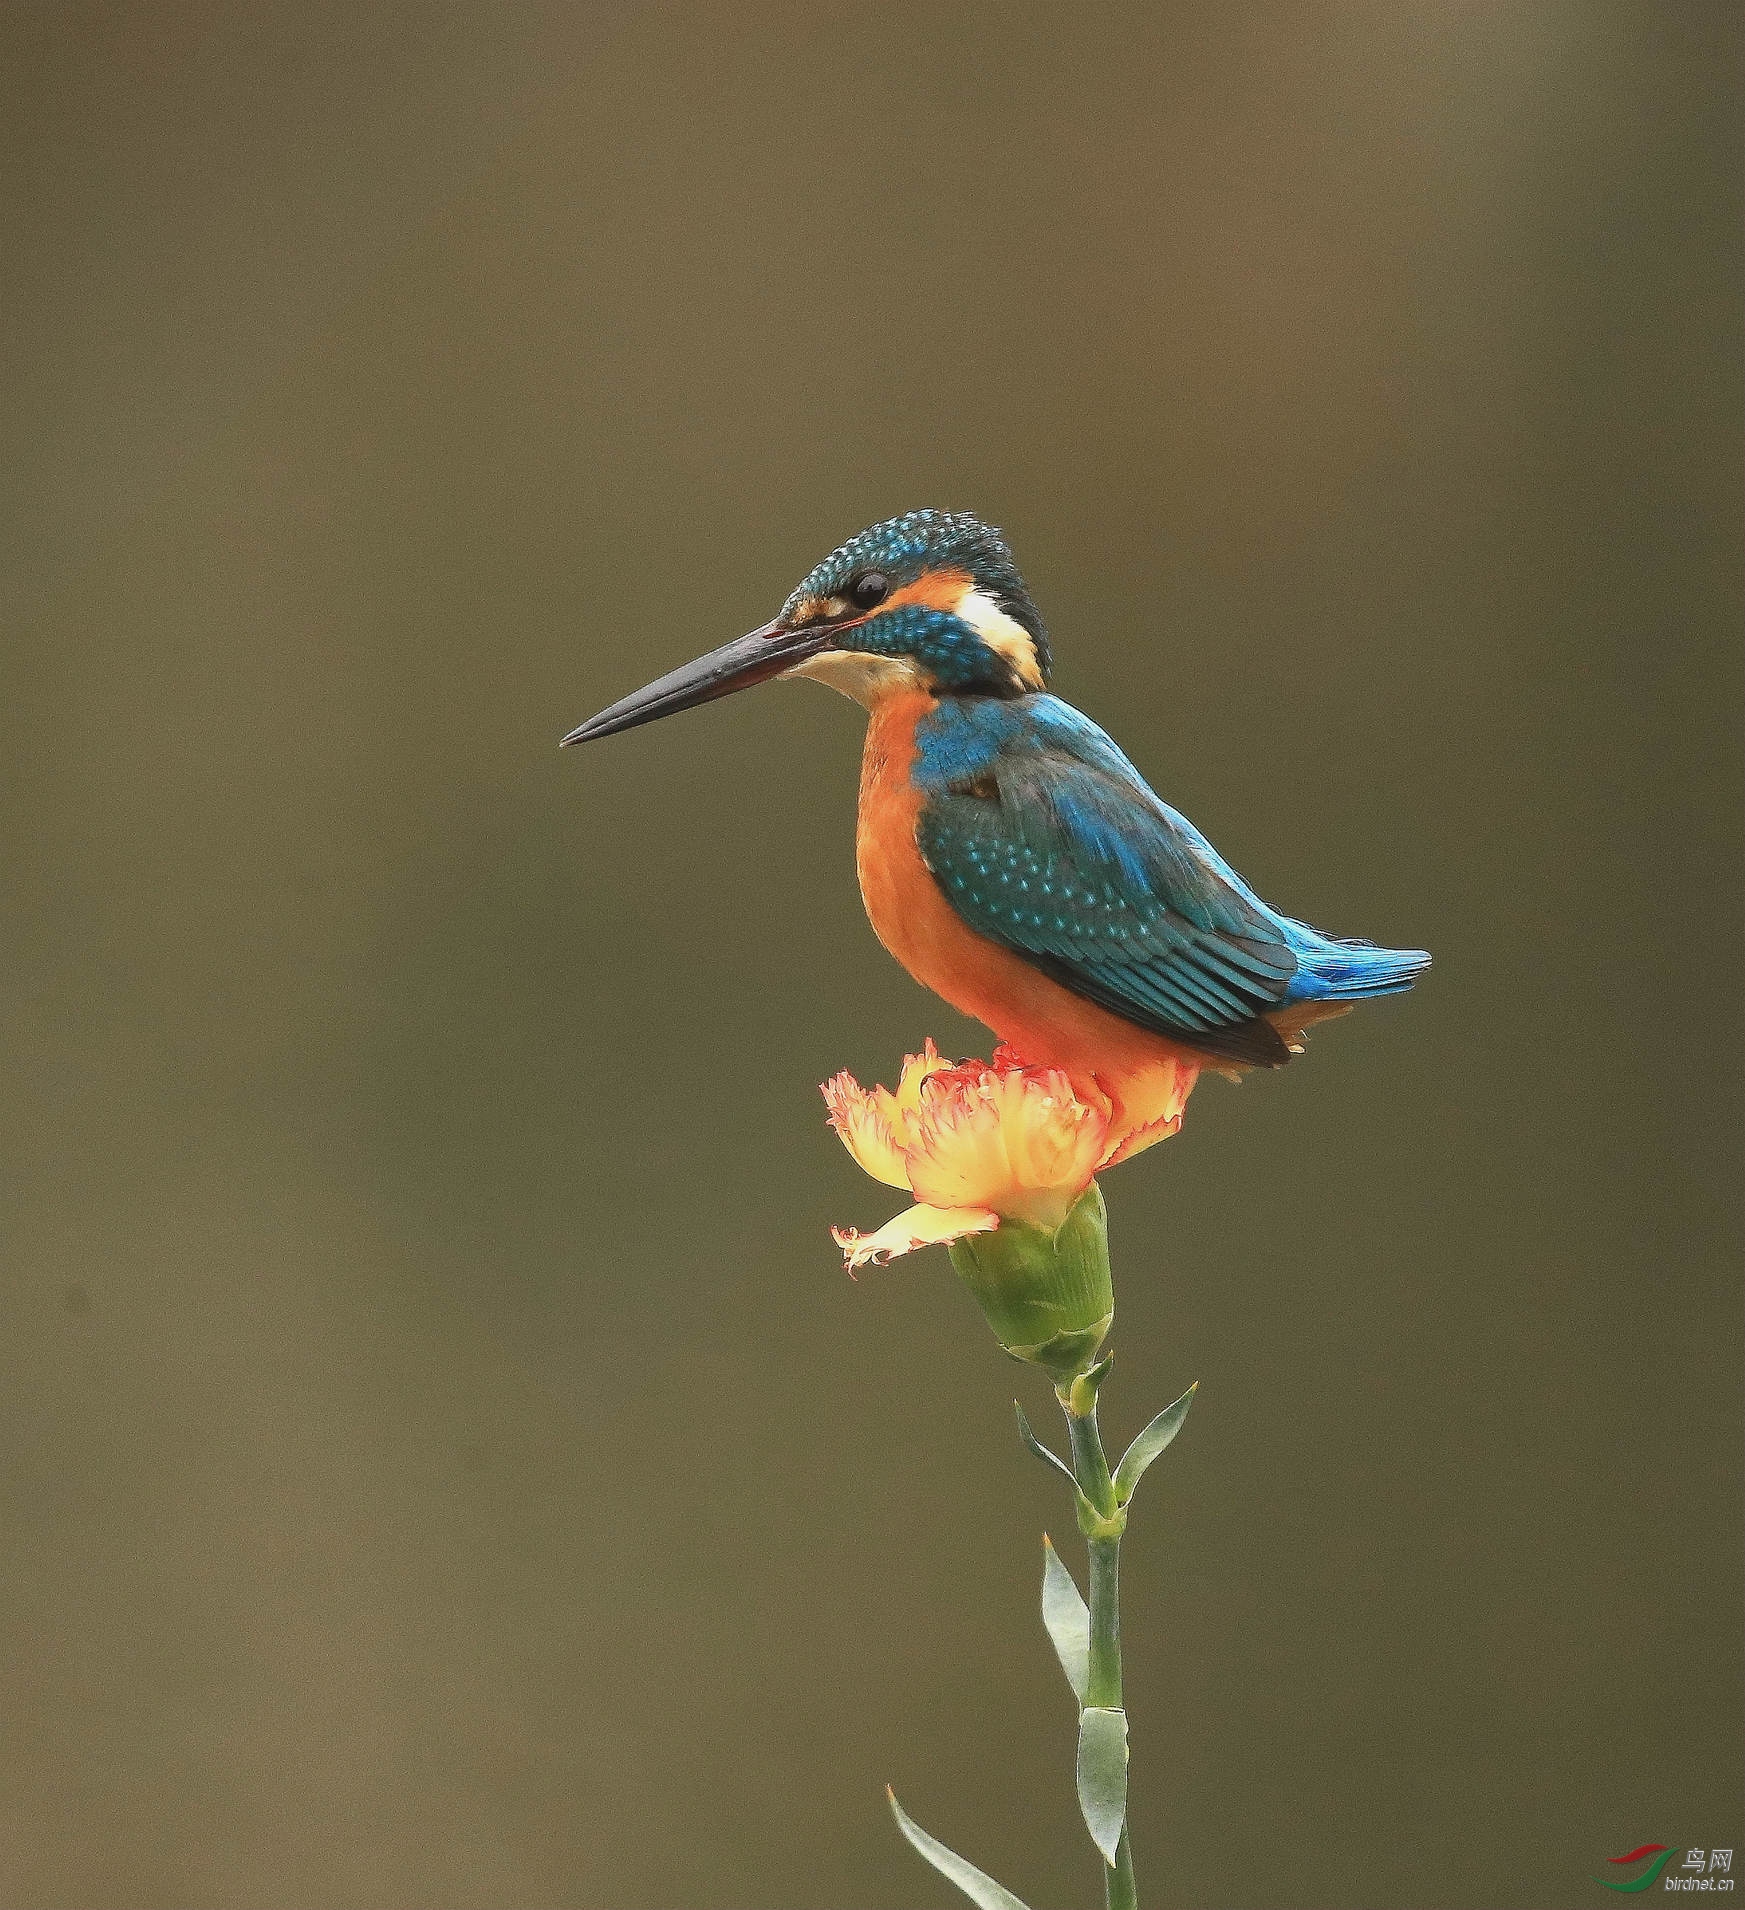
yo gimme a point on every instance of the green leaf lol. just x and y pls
(1067, 1620)
(1040, 1450)
(1102, 1775)
(975, 1884)
(1150, 1443)
(1091, 1522)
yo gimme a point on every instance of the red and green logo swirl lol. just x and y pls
(1661, 1854)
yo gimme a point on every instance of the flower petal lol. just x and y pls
(865, 1129)
(1142, 1138)
(1055, 1140)
(957, 1157)
(1151, 1106)
(903, 1109)
(1011, 1138)
(921, 1226)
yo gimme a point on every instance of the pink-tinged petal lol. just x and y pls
(1011, 1138)
(958, 1155)
(1152, 1103)
(1054, 1139)
(921, 1226)
(903, 1109)
(1142, 1138)
(864, 1129)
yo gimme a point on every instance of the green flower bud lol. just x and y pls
(1049, 1296)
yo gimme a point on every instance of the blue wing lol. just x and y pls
(1045, 839)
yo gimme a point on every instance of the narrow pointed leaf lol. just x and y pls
(975, 1884)
(1102, 1775)
(1091, 1521)
(1067, 1619)
(1040, 1450)
(1150, 1443)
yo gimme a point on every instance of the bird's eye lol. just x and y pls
(869, 590)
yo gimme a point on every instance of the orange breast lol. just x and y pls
(1144, 1076)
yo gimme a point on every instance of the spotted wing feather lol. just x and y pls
(1076, 866)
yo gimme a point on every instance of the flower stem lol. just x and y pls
(1103, 1684)
(1103, 1673)
(1089, 1466)
(1120, 1892)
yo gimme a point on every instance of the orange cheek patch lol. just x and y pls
(937, 589)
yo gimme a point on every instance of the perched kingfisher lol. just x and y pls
(1010, 856)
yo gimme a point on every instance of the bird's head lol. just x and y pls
(930, 600)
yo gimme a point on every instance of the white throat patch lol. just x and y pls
(866, 678)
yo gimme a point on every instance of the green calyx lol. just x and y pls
(1048, 1296)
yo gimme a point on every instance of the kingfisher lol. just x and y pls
(1010, 856)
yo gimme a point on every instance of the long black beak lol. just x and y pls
(750, 659)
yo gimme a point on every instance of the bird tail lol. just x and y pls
(1338, 971)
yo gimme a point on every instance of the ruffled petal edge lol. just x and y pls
(920, 1226)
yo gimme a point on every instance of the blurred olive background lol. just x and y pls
(443, 1461)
